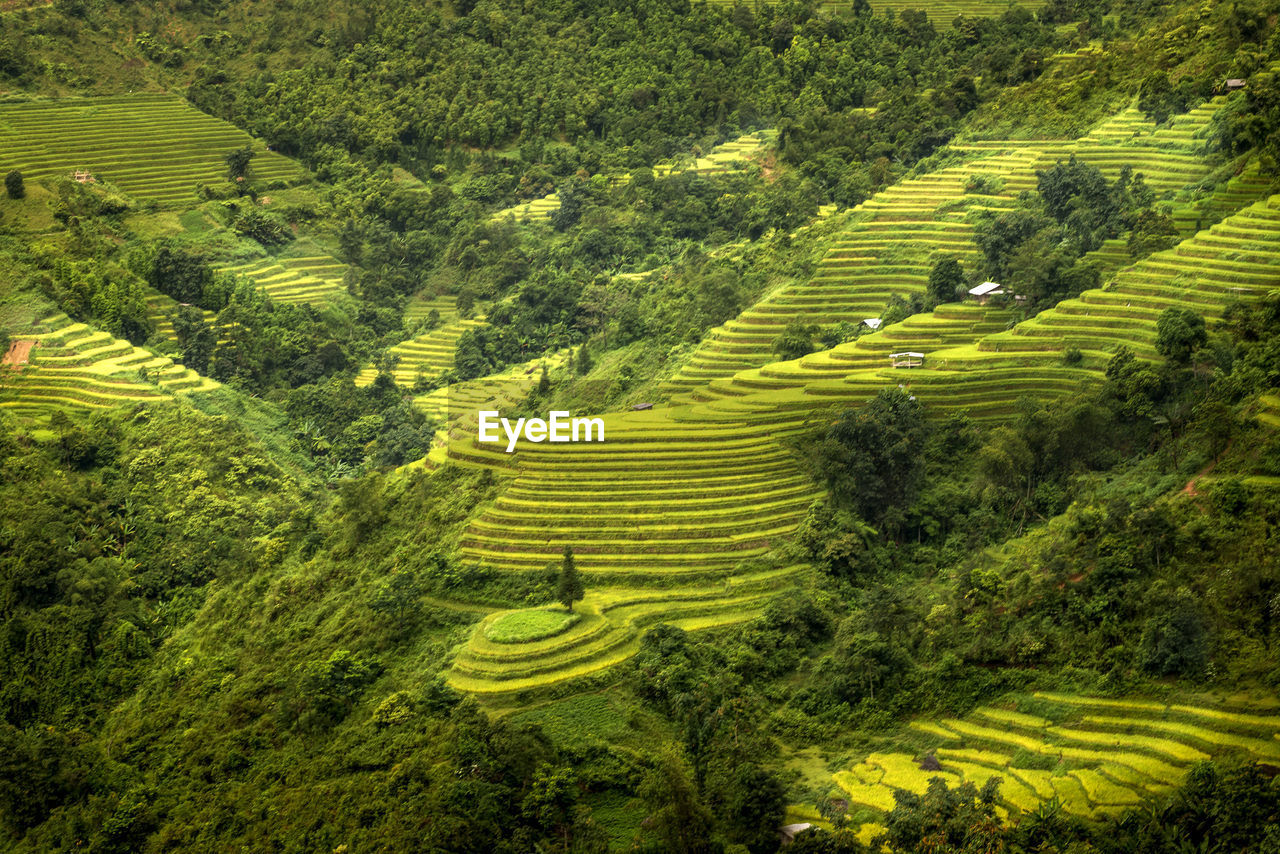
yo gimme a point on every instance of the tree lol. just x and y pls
(1066, 187)
(944, 819)
(1175, 641)
(268, 229)
(755, 807)
(1134, 386)
(676, 815)
(238, 163)
(14, 185)
(569, 589)
(1179, 331)
(1151, 232)
(552, 795)
(871, 457)
(1156, 97)
(945, 280)
(583, 363)
(197, 338)
(574, 195)
(795, 341)
(182, 274)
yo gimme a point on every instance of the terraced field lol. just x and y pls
(895, 237)
(1237, 259)
(153, 147)
(657, 513)
(420, 307)
(1269, 410)
(886, 252)
(455, 407)
(941, 12)
(1096, 756)
(726, 157)
(71, 366)
(607, 633)
(160, 310)
(427, 355)
(534, 210)
(659, 531)
(308, 278)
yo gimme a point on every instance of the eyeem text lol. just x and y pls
(559, 426)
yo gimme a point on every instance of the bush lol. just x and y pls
(267, 229)
(795, 341)
(984, 184)
(1179, 331)
(1175, 642)
(14, 185)
(238, 162)
(945, 280)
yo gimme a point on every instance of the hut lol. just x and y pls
(906, 360)
(788, 832)
(985, 291)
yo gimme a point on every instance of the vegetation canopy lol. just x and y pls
(931, 356)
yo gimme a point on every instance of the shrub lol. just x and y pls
(795, 341)
(945, 280)
(14, 185)
(1179, 331)
(267, 229)
(238, 162)
(984, 184)
(1175, 642)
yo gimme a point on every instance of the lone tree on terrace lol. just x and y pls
(945, 280)
(238, 163)
(570, 588)
(14, 185)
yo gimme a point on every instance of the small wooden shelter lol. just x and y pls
(788, 832)
(906, 360)
(985, 291)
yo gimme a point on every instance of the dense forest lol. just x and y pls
(245, 559)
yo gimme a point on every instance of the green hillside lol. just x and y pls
(928, 357)
(154, 148)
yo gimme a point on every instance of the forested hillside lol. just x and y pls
(935, 349)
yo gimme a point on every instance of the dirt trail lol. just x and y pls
(1190, 488)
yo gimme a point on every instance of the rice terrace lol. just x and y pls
(706, 428)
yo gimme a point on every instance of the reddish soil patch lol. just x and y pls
(18, 353)
(1190, 488)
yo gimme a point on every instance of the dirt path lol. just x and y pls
(1190, 488)
(19, 351)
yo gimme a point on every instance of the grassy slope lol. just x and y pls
(234, 637)
(659, 506)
